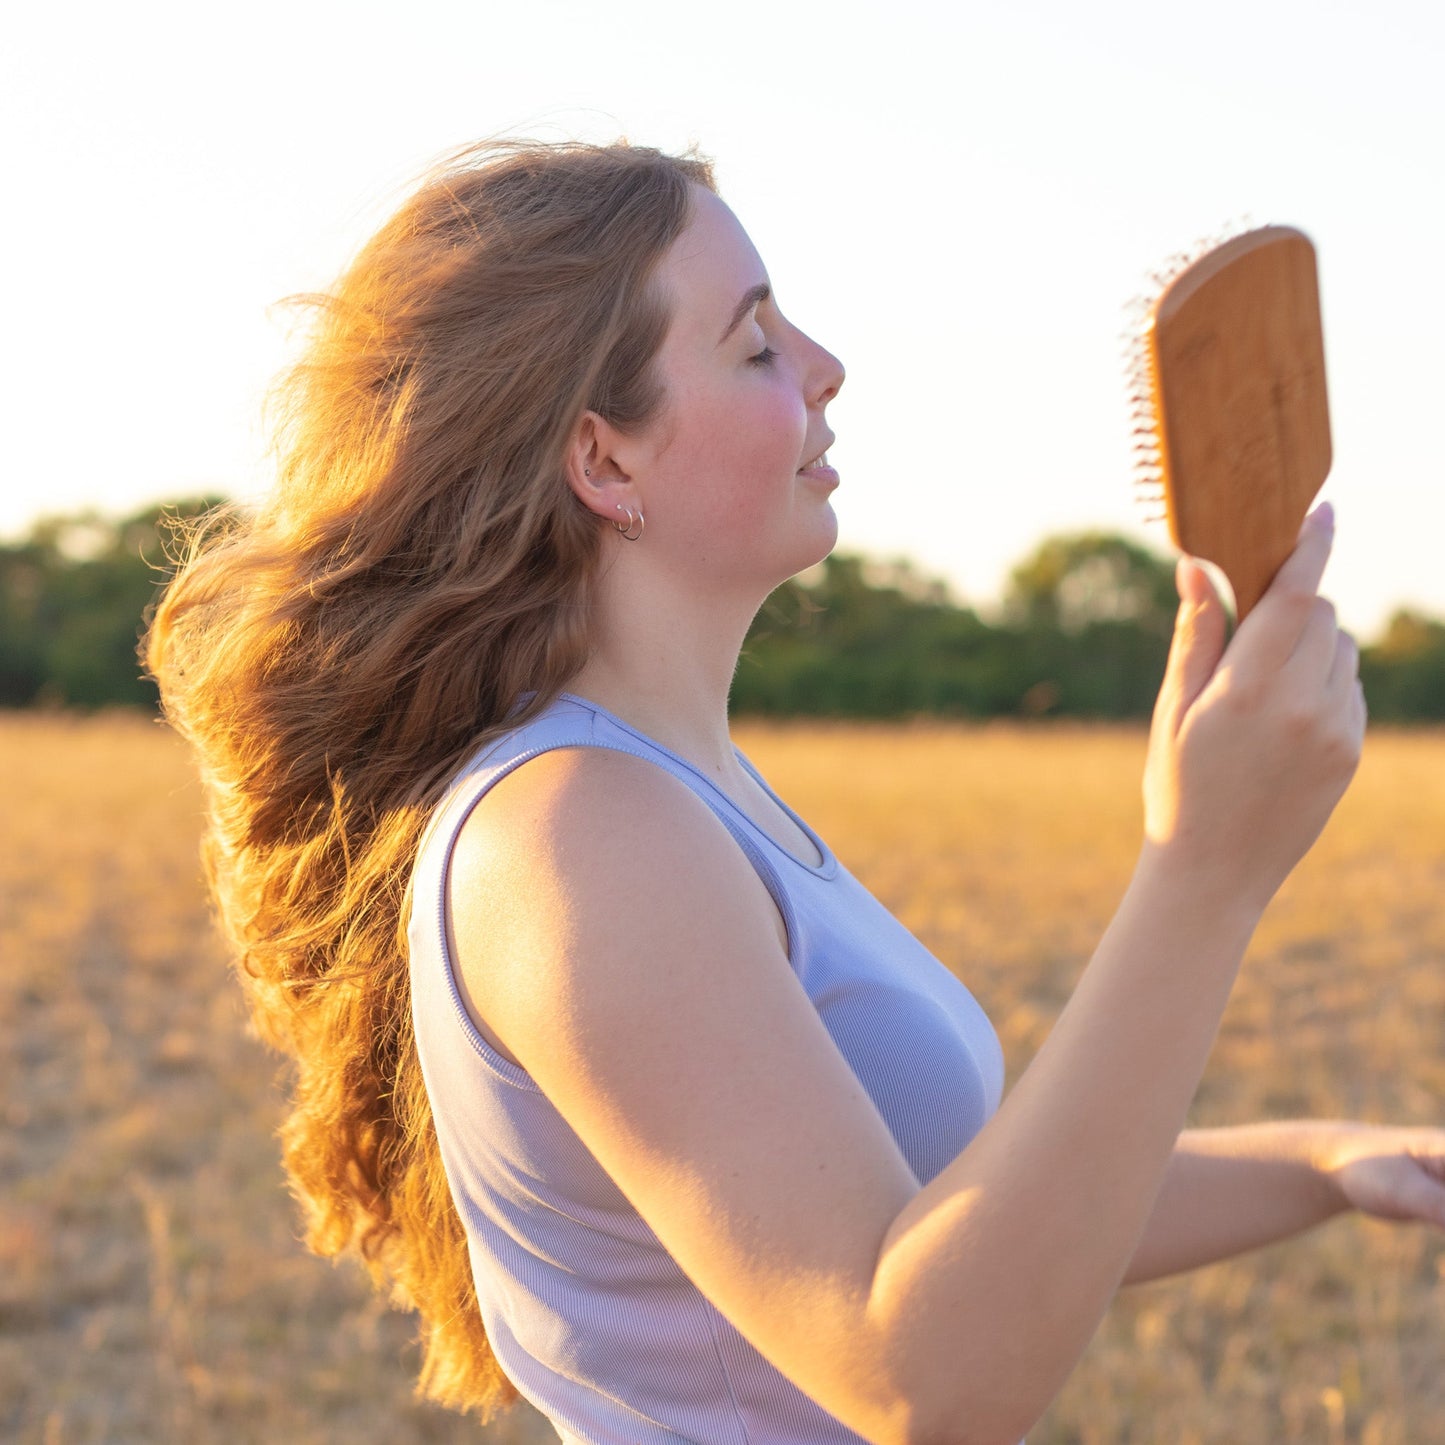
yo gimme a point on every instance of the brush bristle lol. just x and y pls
(1147, 442)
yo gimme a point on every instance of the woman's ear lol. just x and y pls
(597, 479)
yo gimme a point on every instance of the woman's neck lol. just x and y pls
(663, 661)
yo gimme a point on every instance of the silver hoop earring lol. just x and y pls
(631, 530)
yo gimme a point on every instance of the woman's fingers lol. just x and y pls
(1267, 638)
(1316, 653)
(1346, 691)
(1419, 1196)
(1197, 646)
(1345, 671)
(1391, 1173)
(1317, 681)
(1398, 1187)
(1250, 751)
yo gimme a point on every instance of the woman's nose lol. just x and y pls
(829, 376)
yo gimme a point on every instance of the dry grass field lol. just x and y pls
(151, 1286)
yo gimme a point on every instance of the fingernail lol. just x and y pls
(1323, 517)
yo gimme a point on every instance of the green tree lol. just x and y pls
(72, 598)
(857, 638)
(868, 639)
(1404, 672)
(1071, 582)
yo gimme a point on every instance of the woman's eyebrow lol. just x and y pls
(753, 296)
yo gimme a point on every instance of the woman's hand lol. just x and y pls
(1253, 745)
(1389, 1173)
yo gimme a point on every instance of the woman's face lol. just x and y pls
(729, 476)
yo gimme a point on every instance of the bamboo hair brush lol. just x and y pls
(1231, 417)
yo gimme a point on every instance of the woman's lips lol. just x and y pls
(820, 471)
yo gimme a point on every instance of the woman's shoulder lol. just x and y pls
(583, 855)
(556, 808)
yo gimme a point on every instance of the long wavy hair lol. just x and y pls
(334, 657)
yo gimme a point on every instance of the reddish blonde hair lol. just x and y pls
(334, 658)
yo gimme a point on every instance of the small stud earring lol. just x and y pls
(586, 471)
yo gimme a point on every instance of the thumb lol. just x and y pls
(1199, 636)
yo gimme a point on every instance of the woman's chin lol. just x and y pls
(823, 543)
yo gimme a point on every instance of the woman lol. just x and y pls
(724, 1152)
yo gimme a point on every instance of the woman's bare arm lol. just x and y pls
(620, 946)
(1227, 1191)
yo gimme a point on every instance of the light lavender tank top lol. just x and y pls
(587, 1312)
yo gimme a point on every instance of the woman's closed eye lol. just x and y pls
(766, 357)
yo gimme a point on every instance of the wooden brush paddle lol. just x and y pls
(1232, 425)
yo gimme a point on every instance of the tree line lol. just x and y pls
(1083, 632)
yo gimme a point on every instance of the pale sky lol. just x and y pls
(958, 199)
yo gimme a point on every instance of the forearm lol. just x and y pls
(1227, 1191)
(991, 1280)
(1042, 1213)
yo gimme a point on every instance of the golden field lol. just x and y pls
(151, 1285)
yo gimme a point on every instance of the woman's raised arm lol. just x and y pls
(614, 940)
